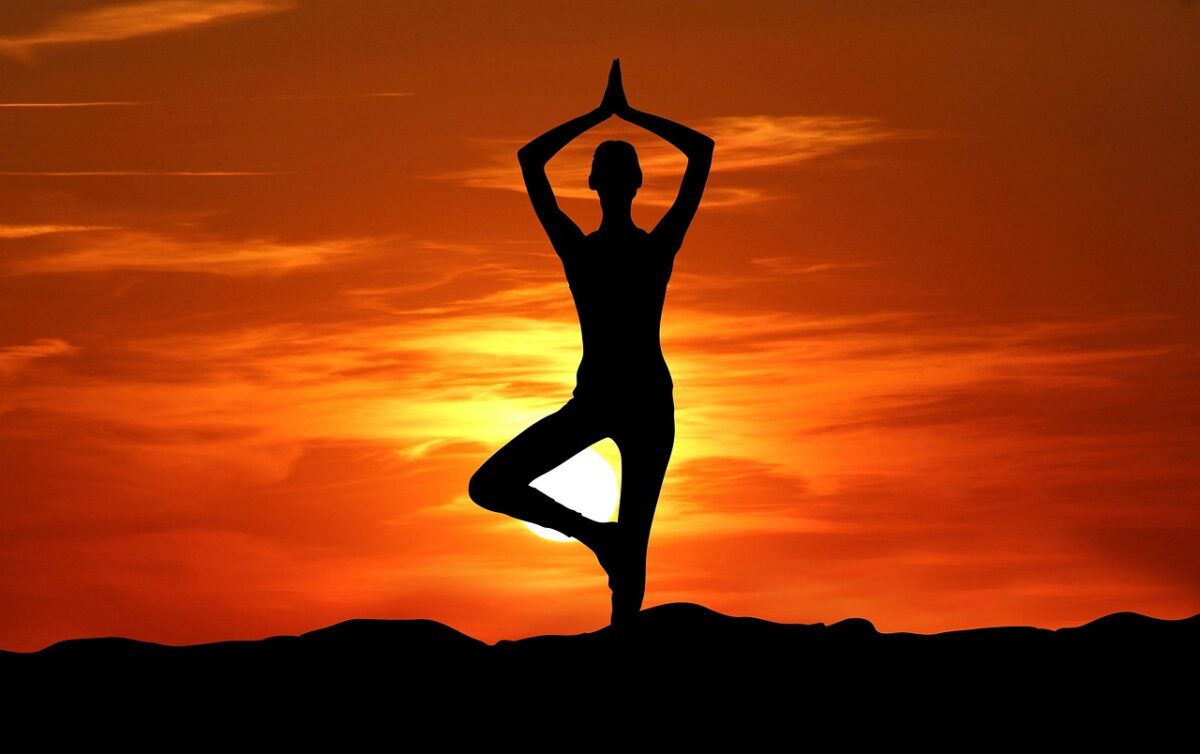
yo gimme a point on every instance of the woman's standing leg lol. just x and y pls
(502, 483)
(645, 440)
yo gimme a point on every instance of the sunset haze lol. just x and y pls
(271, 290)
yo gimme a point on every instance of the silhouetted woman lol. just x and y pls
(618, 276)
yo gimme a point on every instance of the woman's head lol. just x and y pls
(615, 169)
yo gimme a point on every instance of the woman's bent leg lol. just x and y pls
(502, 483)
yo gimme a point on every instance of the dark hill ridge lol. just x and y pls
(679, 653)
(665, 632)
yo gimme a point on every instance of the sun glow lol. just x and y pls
(585, 483)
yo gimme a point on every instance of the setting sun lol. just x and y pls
(585, 483)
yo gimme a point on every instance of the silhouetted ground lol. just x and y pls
(677, 660)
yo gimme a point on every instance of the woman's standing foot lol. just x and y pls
(625, 565)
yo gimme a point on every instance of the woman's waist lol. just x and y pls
(626, 366)
(625, 388)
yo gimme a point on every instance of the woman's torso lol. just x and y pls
(619, 283)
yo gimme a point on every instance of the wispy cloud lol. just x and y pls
(13, 358)
(744, 143)
(175, 173)
(101, 103)
(767, 141)
(364, 95)
(133, 19)
(141, 103)
(29, 231)
(787, 266)
(140, 250)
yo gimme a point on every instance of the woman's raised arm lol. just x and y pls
(564, 234)
(698, 149)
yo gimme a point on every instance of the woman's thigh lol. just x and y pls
(545, 444)
(645, 439)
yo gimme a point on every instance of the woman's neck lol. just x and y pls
(617, 213)
(616, 225)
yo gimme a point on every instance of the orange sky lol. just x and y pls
(270, 292)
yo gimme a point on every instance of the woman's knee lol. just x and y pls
(486, 486)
